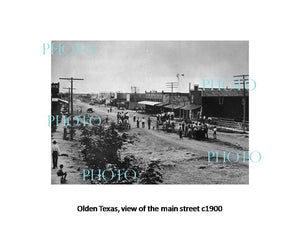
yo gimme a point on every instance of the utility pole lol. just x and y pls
(244, 79)
(134, 89)
(69, 99)
(172, 85)
(72, 121)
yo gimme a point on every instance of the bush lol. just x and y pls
(100, 149)
(100, 146)
(152, 174)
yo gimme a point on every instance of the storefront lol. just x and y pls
(149, 106)
(191, 111)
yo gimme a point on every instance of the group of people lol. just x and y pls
(164, 117)
(196, 130)
(168, 125)
(109, 110)
(123, 118)
(143, 121)
(187, 128)
(166, 120)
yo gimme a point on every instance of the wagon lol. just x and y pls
(90, 110)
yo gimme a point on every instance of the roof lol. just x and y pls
(224, 92)
(148, 103)
(162, 104)
(173, 106)
(59, 100)
(191, 107)
(64, 101)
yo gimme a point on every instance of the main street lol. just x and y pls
(183, 161)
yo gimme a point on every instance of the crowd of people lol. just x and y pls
(123, 119)
(165, 116)
(187, 128)
(196, 130)
(137, 120)
(167, 120)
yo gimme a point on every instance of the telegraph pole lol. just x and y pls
(69, 98)
(245, 78)
(71, 79)
(172, 85)
(134, 89)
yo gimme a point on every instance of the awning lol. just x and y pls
(64, 101)
(173, 106)
(148, 103)
(191, 107)
(59, 100)
(162, 104)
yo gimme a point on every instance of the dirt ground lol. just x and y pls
(182, 161)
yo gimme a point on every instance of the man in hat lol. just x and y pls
(55, 153)
(61, 173)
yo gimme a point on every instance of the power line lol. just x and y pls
(244, 80)
(172, 85)
(134, 89)
(69, 98)
(71, 79)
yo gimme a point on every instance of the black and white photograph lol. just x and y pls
(149, 112)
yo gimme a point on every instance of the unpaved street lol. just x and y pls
(182, 161)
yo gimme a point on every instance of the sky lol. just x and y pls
(147, 65)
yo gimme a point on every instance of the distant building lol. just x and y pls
(225, 103)
(55, 105)
(193, 110)
(57, 100)
(198, 102)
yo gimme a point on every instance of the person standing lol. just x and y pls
(143, 122)
(183, 126)
(149, 123)
(134, 117)
(206, 130)
(180, 133)
(202, 132)
(190, 131)
(55, 153)
(215, 132)
(138, 123)
(65, 133)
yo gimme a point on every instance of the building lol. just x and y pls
(56, 99)
(193, 110)
(224, 103)
(158, 102)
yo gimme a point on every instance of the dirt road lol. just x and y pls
(185, 161)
